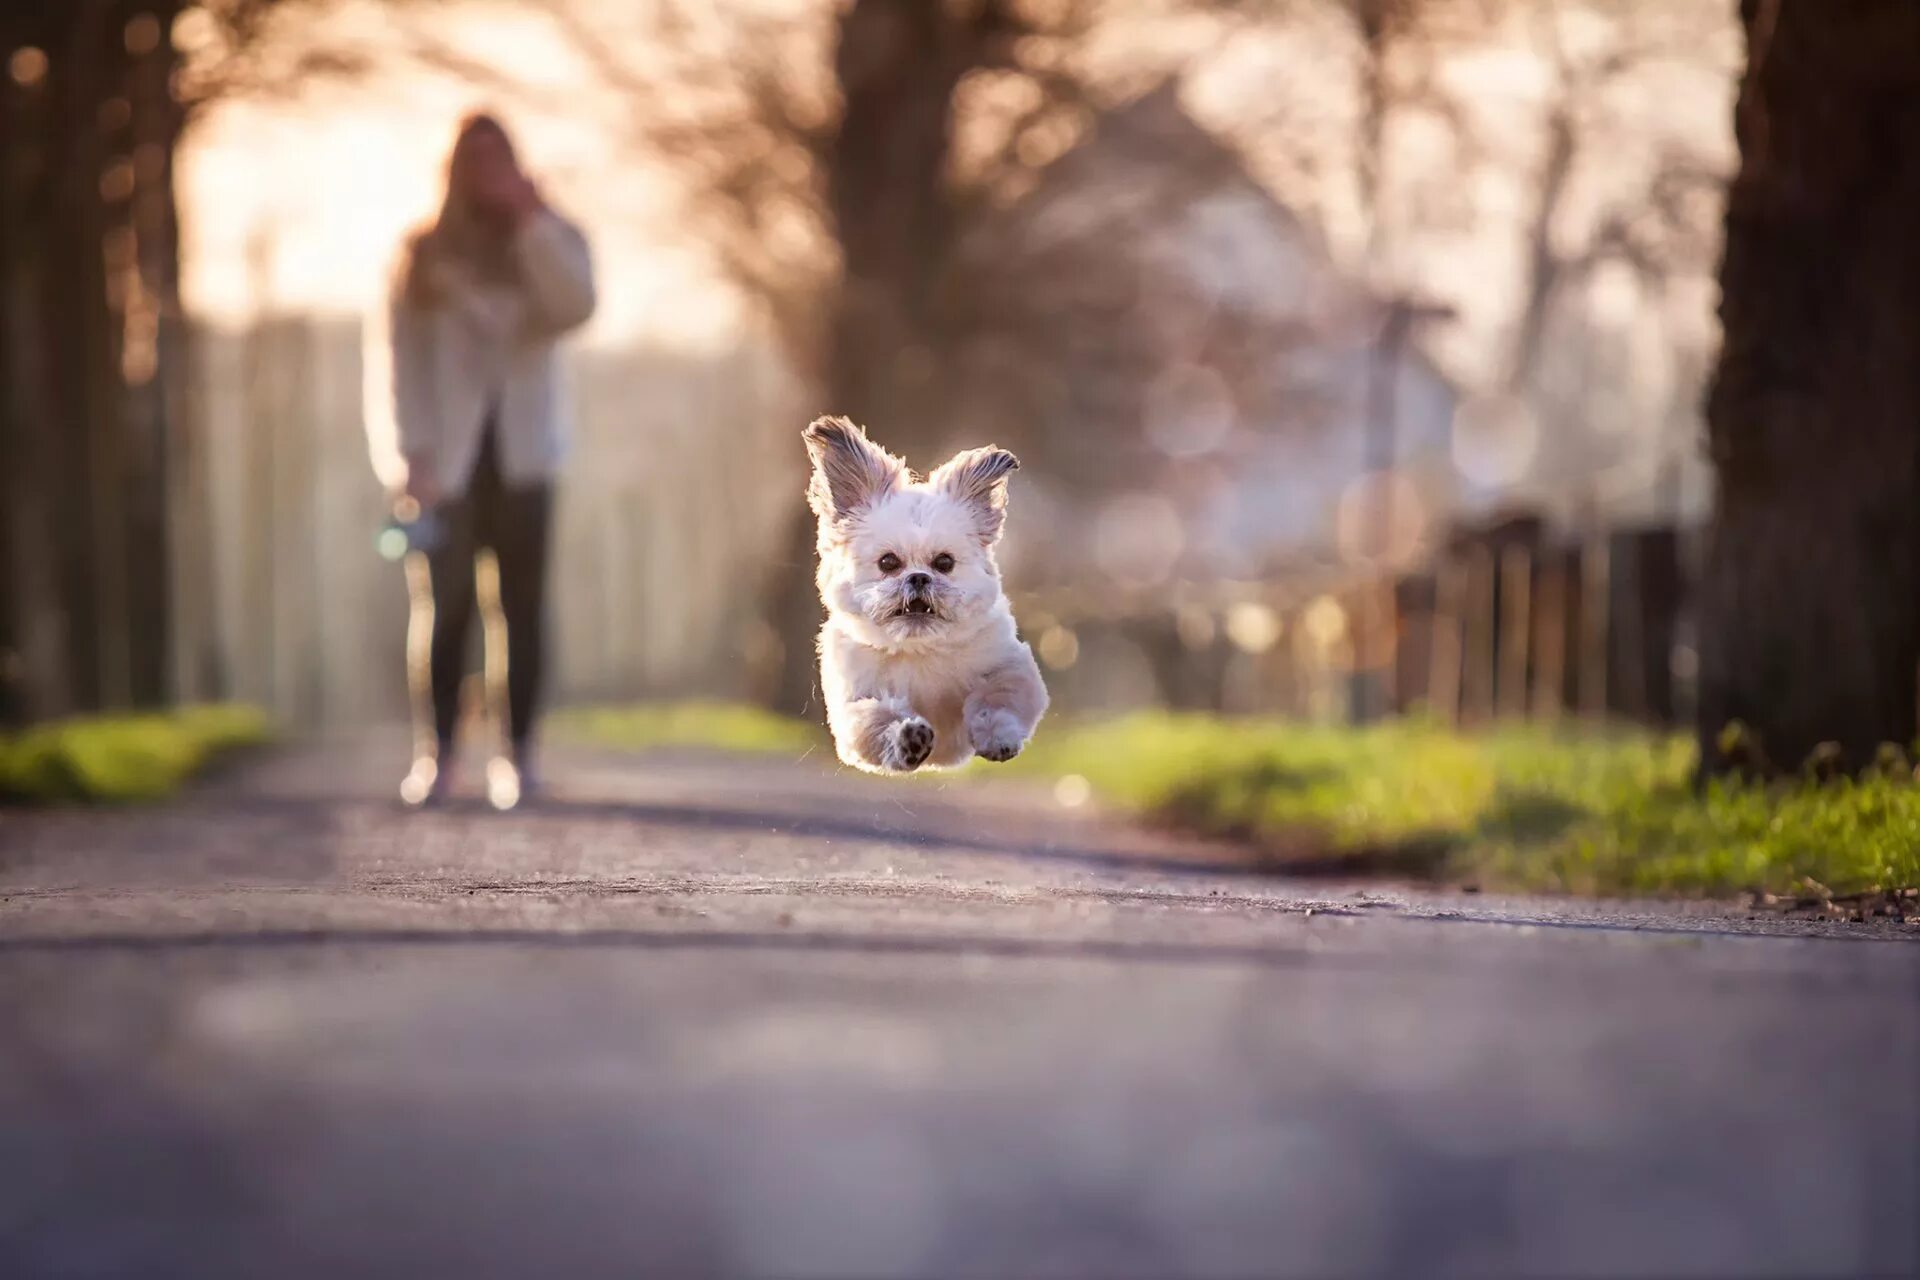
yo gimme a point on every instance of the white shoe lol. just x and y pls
(426, 783)
(506, 787)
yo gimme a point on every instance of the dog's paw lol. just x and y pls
(997, 736)
(911, 744)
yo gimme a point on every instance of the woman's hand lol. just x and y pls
(499, 185)
(522, 199)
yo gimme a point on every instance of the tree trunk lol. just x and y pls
(1810, 631)
(898, 63)
(45, 490)
(151, 359)
(35, 672)
(84, 347)
(87, 279)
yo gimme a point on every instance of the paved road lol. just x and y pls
(695, 1017)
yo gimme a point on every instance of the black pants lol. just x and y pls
(513, 522)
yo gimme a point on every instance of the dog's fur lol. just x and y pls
(920, 662)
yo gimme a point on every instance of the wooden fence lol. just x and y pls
(683, 470)
(683, 475)
(1508, 621)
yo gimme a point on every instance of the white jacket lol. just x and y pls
(431, 375)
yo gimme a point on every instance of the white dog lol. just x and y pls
(919, 659)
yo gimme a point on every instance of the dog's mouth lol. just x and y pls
(918, 609)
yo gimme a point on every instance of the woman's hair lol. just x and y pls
(459, 233)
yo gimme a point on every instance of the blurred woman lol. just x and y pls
(467, 428)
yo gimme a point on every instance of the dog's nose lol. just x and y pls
(919, 581)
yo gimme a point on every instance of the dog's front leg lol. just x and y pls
(1003, 709)
(883, 735)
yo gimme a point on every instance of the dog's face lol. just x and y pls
(905, 561)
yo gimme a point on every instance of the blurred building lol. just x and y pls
(1199, 390)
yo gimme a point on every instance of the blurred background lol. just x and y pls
(1355, 349)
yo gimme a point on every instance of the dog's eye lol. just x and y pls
(943, 563)
(889, 563)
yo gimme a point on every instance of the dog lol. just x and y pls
(920, 662)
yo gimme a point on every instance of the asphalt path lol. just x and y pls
(699, 1016)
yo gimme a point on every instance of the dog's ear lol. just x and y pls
(849, 470)
(978, 477)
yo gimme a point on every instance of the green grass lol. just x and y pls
(1583, 811)
(714, 726)
(121, 758)
(1592, 812)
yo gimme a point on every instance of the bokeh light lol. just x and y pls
(1059, 647)
(1254, 627)
(142, 34)
(1325, 622)
(1685, 662)
(27, 66)
(194, 30)
(117, 181)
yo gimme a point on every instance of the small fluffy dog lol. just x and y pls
(919, 659)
